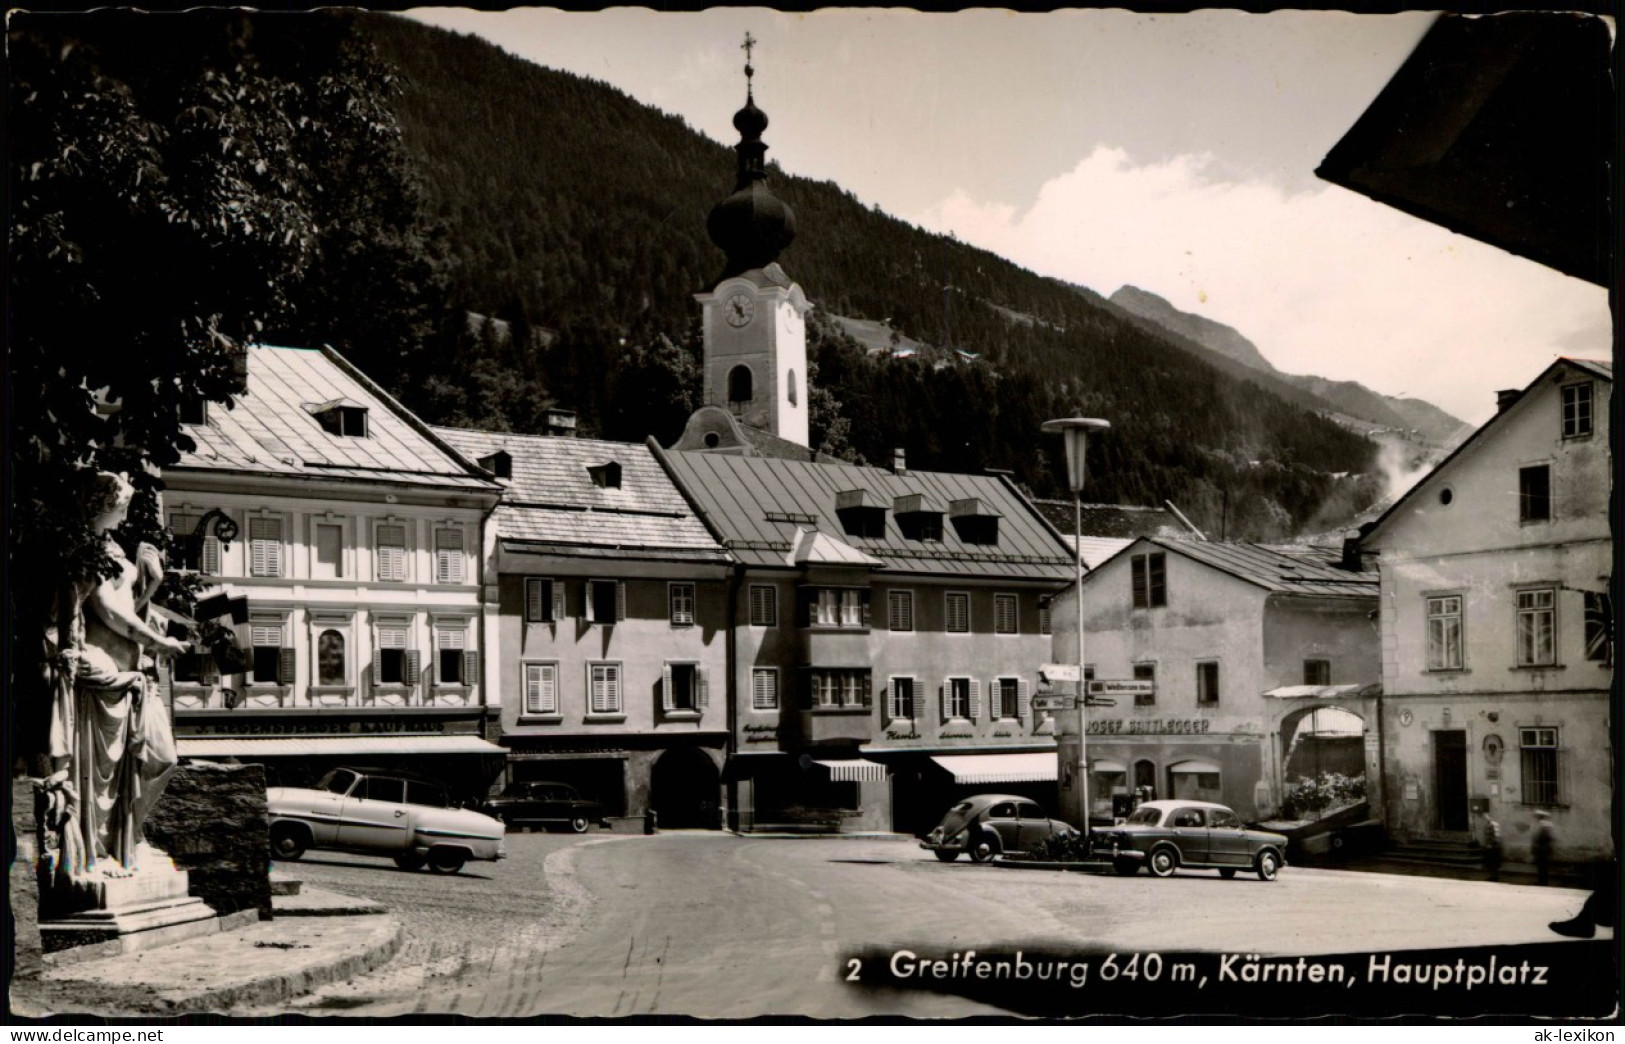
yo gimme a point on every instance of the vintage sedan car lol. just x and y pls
(381, 812)
(987, 824)
(556, 804)
(1167, 835)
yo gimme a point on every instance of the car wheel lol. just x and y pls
(1228, 873)
(288, 841)
(446, 861)
(1126, 867)
(580, 824)
(1163, 862)
(984, 847)
(945, 854)
(409, 861)
(1269, 864)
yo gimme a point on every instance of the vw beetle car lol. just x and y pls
(381, 812)
(1167, 835)
(553, 803)
(987, 824)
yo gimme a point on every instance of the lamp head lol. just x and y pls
(1076, 432)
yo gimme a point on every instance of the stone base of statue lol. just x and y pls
(147, 907)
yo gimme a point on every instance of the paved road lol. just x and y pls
(721, 926)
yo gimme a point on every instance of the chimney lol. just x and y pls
(1351, 552)
(1506, 397)
(899, 465)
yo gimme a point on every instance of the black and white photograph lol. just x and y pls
(734, 515)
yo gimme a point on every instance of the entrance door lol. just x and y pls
(686, 790)
(1450, 778)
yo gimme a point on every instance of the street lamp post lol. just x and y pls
(1076, 432)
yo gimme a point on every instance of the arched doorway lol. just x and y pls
(685, 790)
(1322, 760)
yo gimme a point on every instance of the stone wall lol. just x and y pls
(212, 822)
(22, 918)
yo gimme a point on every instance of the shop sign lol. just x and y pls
(1148, 726)
(324, 727)
(1122, 687)
(761, 733)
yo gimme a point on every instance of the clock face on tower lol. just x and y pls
(739, 309)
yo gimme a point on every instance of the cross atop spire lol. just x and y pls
(750, 42)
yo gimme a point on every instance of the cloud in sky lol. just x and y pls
(1324, 281)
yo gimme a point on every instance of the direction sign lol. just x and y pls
(1053, 703)
(1121, 686)
(1055, 672)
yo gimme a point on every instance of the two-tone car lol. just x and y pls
(550, 804)
(1165, 836)
(986, 825)
(381, 812)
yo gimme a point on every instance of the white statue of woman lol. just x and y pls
(104, 741)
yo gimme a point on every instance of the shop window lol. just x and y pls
(1537, 757)
(1444, 633)
(1149, 580)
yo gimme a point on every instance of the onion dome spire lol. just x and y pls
(752, 225)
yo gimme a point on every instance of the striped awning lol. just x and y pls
(854, 770)
(999, 768)
(1106, 765)
(300, 746)
(1320, 692)
(1194, 765)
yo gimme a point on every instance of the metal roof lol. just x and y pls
(1301, 572)
(552, 498)
(754, 506)
(1121, 521)
(270, 429)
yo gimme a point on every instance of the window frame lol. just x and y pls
(279, 545)
(411, 668)
(948, 598)
(856, 696)
(589, 608)
(614, 681)
(1021, 693)
(546, 605)
(956, 698)
(1150, 667)
(284, 674)
(1148, 581)
(678, 591)
(1006, 602)
(1323, 667)
(756, 701)
(1459, 615)
(1534, 506)
(1578, 418)
(459, 557)
(1526, 655)
(764, 597)
(404, 547)
(1541, 792)
(467, 664)
(895, 706)
(698, 695)
(1208, 693)
(209, 558)
(318, 622)
(900, 603)
(543, 668)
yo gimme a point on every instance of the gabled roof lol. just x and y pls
(810, 547)
(270, 429)
(1599, 369)
(1298, 571)
(1121, 521)
(755, 505)
(551, 498)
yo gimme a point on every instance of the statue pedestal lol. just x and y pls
(150, 907)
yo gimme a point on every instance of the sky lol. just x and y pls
(1173, 152)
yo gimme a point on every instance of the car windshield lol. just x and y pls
(337, 781)
(1147, 816)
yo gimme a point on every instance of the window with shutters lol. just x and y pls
(1011, 698)
(1145, 672)
(836, 689)
(1537, 765)
(606, 601)
(764, 605)
(448, 555)
(327, 551)
(900, 698)
(1444, 633)
(273, 659)
(1537, 627)
(683, 688)
(1149, 580)
(680, 598)
(604, 688)
(1207, 682)
(201, 554)
(957, 698)
(265, 546)
(544, 599)
(456, 662)
(541, 696)
(1577, 410)
(764, 688)
(1044, 624)
(900, 610)
(391, 544)
(1004, 614)
(956, 612)
(393, 663)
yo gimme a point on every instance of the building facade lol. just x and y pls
(347, 536)
(1497, 650)
(609, 629)
(1238, 657)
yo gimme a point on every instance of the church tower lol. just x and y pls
(754, 319)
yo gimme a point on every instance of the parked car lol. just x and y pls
(987, 824)
(1167, 835)
(552, 803)
(381, 812)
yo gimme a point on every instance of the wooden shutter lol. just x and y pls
(471, 667)
(414, 666)
(265, 547)
(666, 702)
(975, 685)
(392, 552)
(284, 666)
(558, 598)
(863, 608)
(209, 560)
(533, 599)
(702, 688)
(1024, 699)
(589, 607)
(533, 688)
(942, 700)
(620, 600)
(865, 689)
(1157, 581)
(891, 699)
(1138, 571)
(377, 665)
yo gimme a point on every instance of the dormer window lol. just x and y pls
(193, 409)
(974, 522)
(499, 464)
(917, 517)
(606, 475)
(341, 417)
(861, 513)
